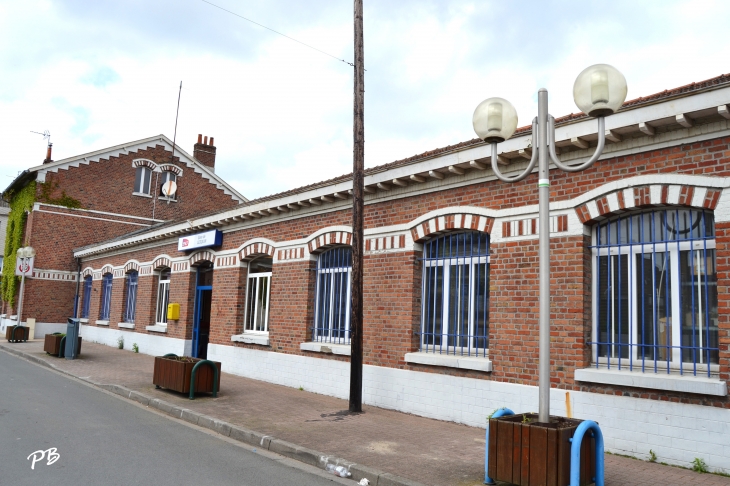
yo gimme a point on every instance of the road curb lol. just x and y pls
(235, 432)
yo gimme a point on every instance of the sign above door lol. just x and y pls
(200, 240)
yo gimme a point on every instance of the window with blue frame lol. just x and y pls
(86, 302)
(655, 292)
(455, 294)
(332, 305)
(106, 297)
(130, 298)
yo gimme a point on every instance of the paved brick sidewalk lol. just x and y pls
(425, 450)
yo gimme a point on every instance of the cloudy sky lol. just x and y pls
(100, 73)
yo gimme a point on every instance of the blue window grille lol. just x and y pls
(455, 294)
(86, 303)
(130, 304)
(332, 306)
(655, 292)
(106, 297)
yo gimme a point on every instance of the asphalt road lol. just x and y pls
(101, 439)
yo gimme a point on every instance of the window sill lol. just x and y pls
(141, 194)
(676, 383)
(84, 320)
(157, 328)
(126, 325)
(102, 323)
(260, 339)
(450, 361)
(327, 348)
(167, 199)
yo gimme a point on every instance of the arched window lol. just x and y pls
(455, 313)
(332, 305)
(163, 296)
(86, 302)
(106, 297)
(258, 287)
(130, 300)
(655, 291)
(142, 180)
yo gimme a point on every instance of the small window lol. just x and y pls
(163, 296)
(167, 176)
(130, 301)
(258, 288)
(142, 180)
(106, 297)
(86, 303)
(332, 311)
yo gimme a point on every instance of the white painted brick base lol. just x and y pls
(676, 432)
(148, 343)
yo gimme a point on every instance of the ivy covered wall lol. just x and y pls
(20, 202)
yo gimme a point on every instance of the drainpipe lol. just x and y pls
(78, 283)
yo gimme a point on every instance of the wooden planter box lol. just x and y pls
(9, 333)
(174, 374)
(527, 453)
(52, 344)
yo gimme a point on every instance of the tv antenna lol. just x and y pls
(46, 135)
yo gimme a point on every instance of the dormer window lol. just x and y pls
(142, 180)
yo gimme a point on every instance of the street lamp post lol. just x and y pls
(599, 91)
(24, 254)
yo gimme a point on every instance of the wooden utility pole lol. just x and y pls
(358, 163)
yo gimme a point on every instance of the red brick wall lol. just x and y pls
(393, 280)
(107, 185)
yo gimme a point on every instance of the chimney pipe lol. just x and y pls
(48, 154)
(205, 140)
(200, 138)
(211, 141)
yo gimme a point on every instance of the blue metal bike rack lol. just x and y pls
(499, 413)
(585, 426)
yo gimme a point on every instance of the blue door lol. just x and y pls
(201, 316)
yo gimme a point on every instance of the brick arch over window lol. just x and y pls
(647, 196)
(330, 239)
(439, 224)
(144, 163)
(107, 269)
(203, 256)
(131, 266)
(161, 262)
(87, 272)
(171, 168)
(253, 250)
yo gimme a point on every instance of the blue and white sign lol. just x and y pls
(201, 240)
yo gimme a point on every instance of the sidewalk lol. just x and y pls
(428, 451)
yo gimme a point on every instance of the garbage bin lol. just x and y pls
(72, 338)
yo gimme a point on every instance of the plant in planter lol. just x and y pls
(525, 452)
(55, 344)
(176, 373)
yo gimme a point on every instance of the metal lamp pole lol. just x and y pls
(599, 91)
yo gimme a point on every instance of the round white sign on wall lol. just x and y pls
(169, 188)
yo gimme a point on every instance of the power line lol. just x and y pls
(277, 32)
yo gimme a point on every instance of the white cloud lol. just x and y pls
(105, 73)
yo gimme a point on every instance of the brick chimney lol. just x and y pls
(204, 152)
(48, 154)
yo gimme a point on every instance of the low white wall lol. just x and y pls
(676, 432)
(43, 328)
(148, 343)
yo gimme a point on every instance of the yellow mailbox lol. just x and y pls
(173, 311)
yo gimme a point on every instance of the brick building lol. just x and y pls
(101, 195)
(640, 252)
